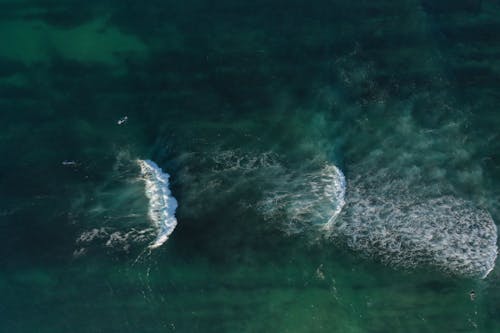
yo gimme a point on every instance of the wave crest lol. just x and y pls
(305, 200)
(162, 204)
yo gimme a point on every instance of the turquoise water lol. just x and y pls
(249, 106)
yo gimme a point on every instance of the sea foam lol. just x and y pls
(408, 231)
(162, 204)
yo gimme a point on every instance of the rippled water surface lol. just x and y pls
(335, 166)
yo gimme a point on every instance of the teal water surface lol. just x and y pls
(248, 105)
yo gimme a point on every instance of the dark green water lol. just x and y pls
(243, 103)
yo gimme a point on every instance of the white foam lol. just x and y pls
(112, 238)
(162, 204)
(407, 231)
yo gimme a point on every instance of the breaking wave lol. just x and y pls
(162, 204)
(307, 199)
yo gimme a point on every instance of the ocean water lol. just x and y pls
(335, 166)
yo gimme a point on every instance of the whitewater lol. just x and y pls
(162, 204)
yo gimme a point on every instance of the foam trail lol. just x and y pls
(445, 232)
(162, 204)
